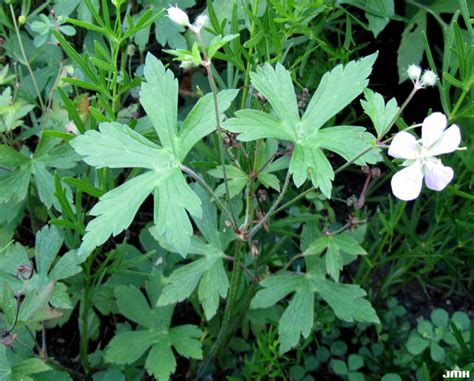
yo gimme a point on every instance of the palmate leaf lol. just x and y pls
(158, 339)
(337, 89)
(346, 300)
(117, 146)
(207, 273)
(48, 154)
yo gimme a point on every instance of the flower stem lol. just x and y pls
(27, 64)
(272, 209)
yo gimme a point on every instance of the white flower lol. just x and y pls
(414, 72)
(420, 157)
(429, 78)
(178, 16)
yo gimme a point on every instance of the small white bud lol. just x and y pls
(200, 21)
(429, 78)
(178, 16)
(71, 128)
(414, 72)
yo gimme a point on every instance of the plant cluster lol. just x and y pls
(206, 190)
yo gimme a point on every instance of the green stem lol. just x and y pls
(220, 132)
(272, 209)
(27, 64)
(208, 189)
(226, 326)
(84, 342)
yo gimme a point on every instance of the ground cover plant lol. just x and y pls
(236, 190)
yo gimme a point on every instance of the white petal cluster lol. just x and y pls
(420, 81)
(420, 157)
(178, 16)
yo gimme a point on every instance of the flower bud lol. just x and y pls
(22, 20)
(200, 21)
(178, 16)
(429, 78)
(414, 72)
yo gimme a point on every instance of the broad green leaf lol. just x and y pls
(346, 300)
(116, 209)
(159, 337)
(185, 340)
(133, 305)
(253, 125)
(207, 271)
(174, 198)
(201, 120)
(44, 181)
(379, 112)
(121, 147)
(275, 288)
(10, 158)
(277, 87)
(416, 344)
(411, 46)
(47, 245)
(161, 362)
(60, 297)
(5, 368)
(337, 89)
(214, 284)
(237, 180)
(159, 98)
(118, 146)
(297, 319)
(379, 12)
(14, 185)
(28, 367)
(348, 142)
(319, 168)
(128, 347)
(67, 266)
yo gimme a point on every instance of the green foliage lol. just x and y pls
(173, 197)
(156, 228)
(154, 337)
(306, 133)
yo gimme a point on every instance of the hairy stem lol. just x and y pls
(84, 318)
(272, 209)
(226, 326)
(220, 132)
(23, 54)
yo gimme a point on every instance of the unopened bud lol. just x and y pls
(201, 20)
(22, 20)
(178, 16)
(71, 128)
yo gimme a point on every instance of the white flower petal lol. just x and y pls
(403, 146)
(448, 142)
(437, 176)
(432, 128)
(406, 184)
